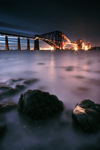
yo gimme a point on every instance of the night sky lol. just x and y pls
(77, 19)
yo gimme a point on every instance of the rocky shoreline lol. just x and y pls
(39, 105)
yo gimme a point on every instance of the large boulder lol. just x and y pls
(39, 105)
(86, 115)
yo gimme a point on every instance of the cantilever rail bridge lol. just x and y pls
(55, 39)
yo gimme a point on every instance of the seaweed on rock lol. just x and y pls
(86, 115)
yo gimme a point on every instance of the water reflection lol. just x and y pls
(71, 76)
(51, 70)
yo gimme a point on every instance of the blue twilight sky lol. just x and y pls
(77, 19)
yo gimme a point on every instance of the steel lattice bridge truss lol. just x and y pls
(55, 39)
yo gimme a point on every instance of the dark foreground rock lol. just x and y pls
(7, 107)
(20, 86)
(86, 115)
(9, 91)
(2, 130)
(30, 81)
(39, 105)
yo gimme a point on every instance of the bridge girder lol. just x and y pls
(55, 39)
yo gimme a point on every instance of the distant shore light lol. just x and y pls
(86, 48)
(76, 48)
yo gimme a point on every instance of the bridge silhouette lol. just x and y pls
(55, 39)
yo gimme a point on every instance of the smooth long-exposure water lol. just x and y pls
(71, 76)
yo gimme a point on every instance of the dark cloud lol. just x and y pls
(75, 18)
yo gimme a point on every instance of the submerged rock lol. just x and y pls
(4, 88)
(16, 80)
(30, 81)
(41, 63)
(70, 68)
(20, 86)
(39, 105)
(86, 115)
(9, 91)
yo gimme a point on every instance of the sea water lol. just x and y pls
(70, 75)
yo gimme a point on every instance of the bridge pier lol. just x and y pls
(19, 47)
(36, 43)
(6, 43)
(28, 44)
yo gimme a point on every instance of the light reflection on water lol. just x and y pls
(71, 76)
(63, 73)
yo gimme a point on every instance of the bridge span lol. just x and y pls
(18, 40)
(55, 39)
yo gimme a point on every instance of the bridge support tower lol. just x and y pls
(6, 43)
(36, 43)
(28, 44)
(19, 47)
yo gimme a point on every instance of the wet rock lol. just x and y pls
(79, 77)
(2, 96)
(39, 105)
(70, 68)
(2, 130)
(41, 63)
(30, 81)
(83, 89)
(93, 82)
(16, 80)
(89, 62)
(4, 87)
(9, 91)
(86, 115)
(20, 86)
(7, 107)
